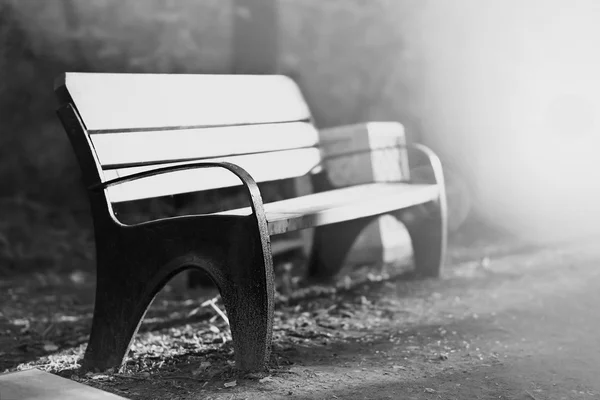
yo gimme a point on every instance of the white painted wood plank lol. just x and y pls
(262, 167)
(341, 205)
(389, 163)
(389, 160)
(115, 149)
(381, 161)
(143, 101)
(348, 169)
(363, 153)
(38, 385)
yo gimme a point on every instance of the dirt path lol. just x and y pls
(514, 327)
(525, 327)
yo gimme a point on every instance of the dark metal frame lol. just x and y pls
(426, 224)
(134, 262)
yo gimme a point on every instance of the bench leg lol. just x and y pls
(248, 292)
(234, 252)
(426, 225)
(120, 304)
(331, 244)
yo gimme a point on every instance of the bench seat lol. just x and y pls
(341, 205)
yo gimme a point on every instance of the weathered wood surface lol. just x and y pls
(34, 384)
(139, 122)
(364, 153)
(341, 205)
(130, 149)
(133, 102)
(263, 167)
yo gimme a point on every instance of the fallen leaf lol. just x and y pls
(50, 347)
(77, 277)
(100, 376)
(429, 390)
(203, 366)
(399, 367)
(193, 312)
(266, 379)
(214, 329)
(230, 384)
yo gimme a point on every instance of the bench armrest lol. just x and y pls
(434, 161)
(247, 180)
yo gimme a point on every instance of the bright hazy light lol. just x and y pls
(511, 93)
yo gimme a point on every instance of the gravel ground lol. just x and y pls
(506, 320)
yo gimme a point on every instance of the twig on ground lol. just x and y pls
(139, 378)
(530, 395)
(211, 303)
(48, 329)
(189, 378)
(285, 372)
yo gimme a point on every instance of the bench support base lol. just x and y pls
(331, 245)
(426, 225)
(134, 263)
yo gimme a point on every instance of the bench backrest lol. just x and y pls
(138, 122)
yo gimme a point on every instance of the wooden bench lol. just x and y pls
(141, 136)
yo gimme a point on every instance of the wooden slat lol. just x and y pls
(386, 162)
(117, 102)
(262, 167)
(365, 152)
(341, 205)
(34, 384)
(119, 149)
(390, 161)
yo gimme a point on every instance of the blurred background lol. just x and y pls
(505, 91)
